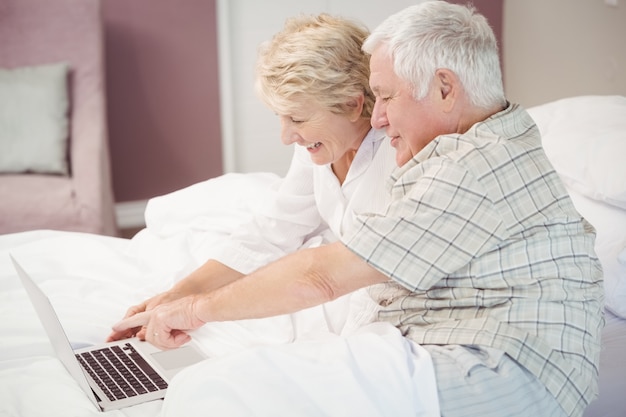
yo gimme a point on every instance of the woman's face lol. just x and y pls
(326, 136)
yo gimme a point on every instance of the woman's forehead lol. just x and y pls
(303, 106)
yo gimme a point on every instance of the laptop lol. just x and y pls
(117, 374)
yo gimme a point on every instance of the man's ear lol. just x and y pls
(355, 107)
(448, 88)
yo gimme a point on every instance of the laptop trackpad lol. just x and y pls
(177, 358)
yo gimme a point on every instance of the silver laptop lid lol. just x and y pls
(53, 328)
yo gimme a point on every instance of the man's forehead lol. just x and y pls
(380, 68)
(380, 56)
(383, 78)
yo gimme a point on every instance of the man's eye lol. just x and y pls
(295, 121)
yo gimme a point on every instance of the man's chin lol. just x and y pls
(402, 158)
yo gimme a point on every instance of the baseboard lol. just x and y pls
(130, 214)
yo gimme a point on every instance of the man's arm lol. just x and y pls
(300, 280)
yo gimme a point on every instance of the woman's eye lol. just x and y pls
(295, 121)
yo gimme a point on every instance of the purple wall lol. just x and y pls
(163, 95)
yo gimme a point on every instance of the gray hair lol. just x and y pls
(438, 34)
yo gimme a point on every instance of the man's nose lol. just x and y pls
(379, 116)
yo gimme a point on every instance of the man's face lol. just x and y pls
(410, 124)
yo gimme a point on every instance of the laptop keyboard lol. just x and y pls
(121, 372)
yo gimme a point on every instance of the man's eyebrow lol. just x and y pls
(375, 89)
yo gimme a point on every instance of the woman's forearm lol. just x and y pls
(208, 277)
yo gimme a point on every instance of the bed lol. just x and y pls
(92, 279)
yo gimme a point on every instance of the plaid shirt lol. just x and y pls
(484, 247)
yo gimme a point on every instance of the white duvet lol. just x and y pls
(329, 360)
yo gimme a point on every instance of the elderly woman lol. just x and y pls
(314, 76)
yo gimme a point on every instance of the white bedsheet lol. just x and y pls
(611, 401)
(362, 369)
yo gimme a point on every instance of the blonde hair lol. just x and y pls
(315, 59)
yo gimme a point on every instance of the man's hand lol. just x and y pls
(147, 305)
(165, 325)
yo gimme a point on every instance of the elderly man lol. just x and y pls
(481, 257)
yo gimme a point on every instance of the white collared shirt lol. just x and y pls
(310, 207)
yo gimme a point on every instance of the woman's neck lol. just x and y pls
(341, 166)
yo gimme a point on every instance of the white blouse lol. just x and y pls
(309, 206)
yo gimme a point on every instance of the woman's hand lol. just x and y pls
(165, 325)
(210, 276)
(149, 304)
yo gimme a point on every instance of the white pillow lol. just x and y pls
(617, 302)
(585, 139)
(610, 224)
(33, 119)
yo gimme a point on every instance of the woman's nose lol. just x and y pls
(287, 134)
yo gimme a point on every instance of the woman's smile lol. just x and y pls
(314, 146)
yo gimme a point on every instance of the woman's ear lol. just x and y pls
(355, 107)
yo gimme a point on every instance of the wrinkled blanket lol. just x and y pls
(328, 360)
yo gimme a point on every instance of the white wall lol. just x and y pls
(251, 133)
(561, 48)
